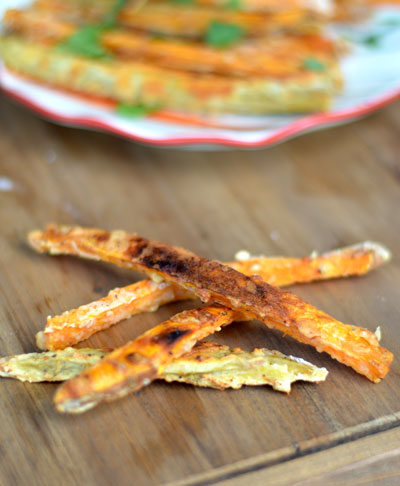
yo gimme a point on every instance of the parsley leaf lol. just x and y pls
(110, 19)
(86, 42)
(136, 111)
(234, 4)
(183, 2)
(372, 40)
(220, 34)
(313, 64)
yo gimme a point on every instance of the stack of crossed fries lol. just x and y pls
(237, 291)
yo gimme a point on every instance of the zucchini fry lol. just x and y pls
(213, 281)
(207, 365)
(76, 325)
(141, 82)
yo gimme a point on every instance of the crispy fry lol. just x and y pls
(216, 366)
(142, 360)
(323, 7)
(189, 21)
(280, 56)
(208, 365)
(76, 325)
(210, 280)
(141, 82)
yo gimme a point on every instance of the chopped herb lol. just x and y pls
(86, 42)
(110, 19)
(183, 2)
(234, 4)
(220, 34)
(313, 64)
(136, 111)
(372, 40)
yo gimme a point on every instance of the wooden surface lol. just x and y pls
(320, 191)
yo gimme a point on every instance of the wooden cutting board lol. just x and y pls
(317, 192)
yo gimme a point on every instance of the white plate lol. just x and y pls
(371, 77)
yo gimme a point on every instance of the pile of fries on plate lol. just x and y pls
(193, 56)
(243, 290)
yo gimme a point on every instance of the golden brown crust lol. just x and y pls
(140, 361)
(280, 56)
(191, 21)
(78, 324)
(210, 280)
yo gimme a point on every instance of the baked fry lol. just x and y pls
(216, 366)
(139, 362)
(321, 7)
(190, 21)
(207, 365)
(278, 57)
(210, 280)
(76, 325)
(135, 82)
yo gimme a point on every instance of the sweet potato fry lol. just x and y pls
(139, 362)
(187, 21)
(321, 7)
(76, 325)
(210, 280)
(279, 57)
(207, 365)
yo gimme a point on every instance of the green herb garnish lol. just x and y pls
(183, 2)
(86, 41)
(234, 5)
(372, 40)
(220, 34)
(313, 64)
(136, 111)
(110, 20)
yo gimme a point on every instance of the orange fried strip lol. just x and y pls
(190, 21)
(280, 56)
(213, 281)
(142, 360)
(76, 325)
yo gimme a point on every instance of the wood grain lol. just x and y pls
(319, 191)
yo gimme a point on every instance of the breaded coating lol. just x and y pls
(207, 365)
(213, 281)
(75, 325)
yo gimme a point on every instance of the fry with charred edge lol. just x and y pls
(139, 362)
(207, 365)
(211, 280)
(78, 324)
